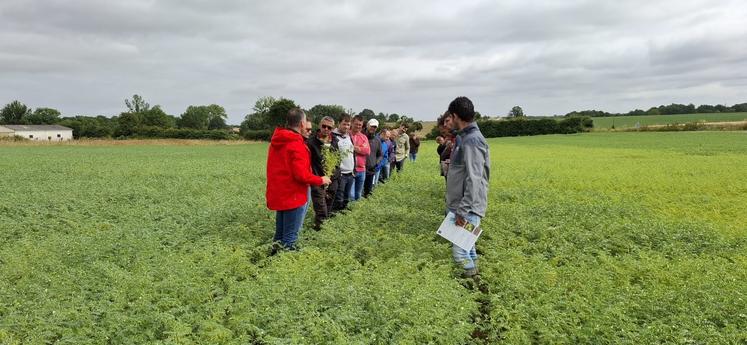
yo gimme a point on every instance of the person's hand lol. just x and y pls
(459, 221)
(356, 149)
(326, 180)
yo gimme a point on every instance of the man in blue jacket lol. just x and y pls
(382, 172)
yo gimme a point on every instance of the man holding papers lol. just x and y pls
(467, 182)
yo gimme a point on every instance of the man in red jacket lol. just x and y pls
(289, 177)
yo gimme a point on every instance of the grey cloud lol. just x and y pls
(408, 57)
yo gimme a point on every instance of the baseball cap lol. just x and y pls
(373, 122)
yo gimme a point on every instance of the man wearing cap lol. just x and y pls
(374, 157)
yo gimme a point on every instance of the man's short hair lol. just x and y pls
(442, 119)
(462, 107)
(327, 119)
(344, 117)
(294, 117)
(358, 118)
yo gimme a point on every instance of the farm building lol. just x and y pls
(38, 132)
(5, 132)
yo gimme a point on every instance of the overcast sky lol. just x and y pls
(407, 57)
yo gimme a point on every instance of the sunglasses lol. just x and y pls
(326, 126)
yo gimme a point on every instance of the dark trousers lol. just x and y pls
(400, 165)
(332, 192)
(319, 200)
(368, 184)
(342, 195)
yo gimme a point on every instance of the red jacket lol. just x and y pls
(288, 171)
(361, 140)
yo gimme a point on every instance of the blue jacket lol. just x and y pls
(385, 150)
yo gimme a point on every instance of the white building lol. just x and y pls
(5, 132)
(38, 132)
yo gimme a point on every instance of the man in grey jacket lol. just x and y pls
(468, 175)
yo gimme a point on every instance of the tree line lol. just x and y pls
(672, 109)
(269, 112)
(139, 120)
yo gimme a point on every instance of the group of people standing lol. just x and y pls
(296, 167)
(297, 173)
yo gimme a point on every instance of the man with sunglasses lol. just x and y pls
(318, 193)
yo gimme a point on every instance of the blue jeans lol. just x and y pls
(384, 172)
(308, 203)
(467, 258)
(287, 225)
(413, 156)
(377, 176)
(357, 190)
(342, 196)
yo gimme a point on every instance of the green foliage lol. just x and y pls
(201, 117)
(269, 113)
(591, 113)
(254, 122)
(168, 244)
(14, 113)
(137, 104)
(183, 133)
(317, 112)
(330, 159)
(278, 112)
(626, 250)
(157, 118)
(128, 123)
(217, 123)
(90, 127)
(672, 109)
(43, 116)
(257, 135)
(141, 114)
(434, 133)
(622, 122)
(409, 123)
(523, 126)
(516, 111)
(263, 104)
(367, 114)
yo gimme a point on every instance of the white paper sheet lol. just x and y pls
(458, 235)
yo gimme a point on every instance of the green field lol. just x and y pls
(648, 120)
(616, 238)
